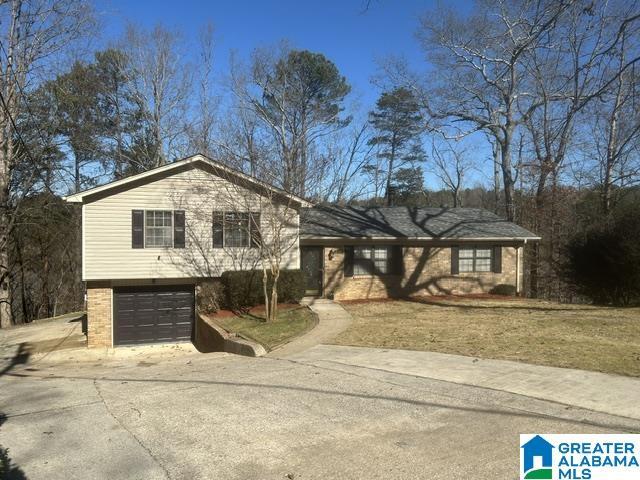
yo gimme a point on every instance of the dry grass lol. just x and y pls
(575, 336)
(291, 323)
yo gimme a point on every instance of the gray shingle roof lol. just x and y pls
(403, 222)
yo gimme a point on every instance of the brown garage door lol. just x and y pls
(153, 314)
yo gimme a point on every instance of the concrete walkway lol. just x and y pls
(332, 320)
(612, 394)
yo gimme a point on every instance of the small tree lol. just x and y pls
(604, 262)
(408, 187)
(398, 126)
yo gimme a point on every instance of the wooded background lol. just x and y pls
(527, 108)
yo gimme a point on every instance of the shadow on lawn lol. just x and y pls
(455, 303)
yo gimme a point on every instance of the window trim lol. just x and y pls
(474, 258)
(145, 229)
(226, 224)
(370, 260)
(253, 239)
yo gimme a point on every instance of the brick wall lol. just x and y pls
(99, 314)
(427, 271)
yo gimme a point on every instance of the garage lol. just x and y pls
(153, 314)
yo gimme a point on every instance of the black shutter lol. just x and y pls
(348, 261)
(137, 228)
(396, 261)
(218, 229)
(256, 236)
(497, 259)
(178, 229)
(455, 268)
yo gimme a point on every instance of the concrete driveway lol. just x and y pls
(221, 416)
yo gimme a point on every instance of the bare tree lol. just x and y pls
(585, 62)
(452, 163)
(617, 127)
(162, 83)
(480, 77)
(255, 226)
(33, 34)
(351, 151)
(297, 98)
(201, 131)
(240, 140)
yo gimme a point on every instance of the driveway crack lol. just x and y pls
(133, 435)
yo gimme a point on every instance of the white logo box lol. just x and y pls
(581, 457)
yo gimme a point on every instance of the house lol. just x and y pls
(540, 448)
(151, 240)
(374, 252)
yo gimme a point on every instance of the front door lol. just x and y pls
(311, 261)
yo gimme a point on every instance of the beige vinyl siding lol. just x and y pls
(107, 229)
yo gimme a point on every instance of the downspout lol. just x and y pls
(518, 270)
(518, 258)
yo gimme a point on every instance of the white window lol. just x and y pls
(158, 230)
(370, 260)
(474, 259)
(236, 229)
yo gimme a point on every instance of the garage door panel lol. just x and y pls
(153, 314)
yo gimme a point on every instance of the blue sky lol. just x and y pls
(355, 38)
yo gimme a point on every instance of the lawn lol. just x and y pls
(291, 322)
(576, 336)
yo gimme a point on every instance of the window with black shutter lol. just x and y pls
(236, 230)
(377, 260)
(137, 228)
(497, 259)
(178, 229)
(218, 229)
(475, 259)
(256, 235)
(348, 261)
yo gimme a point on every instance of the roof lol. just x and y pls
(408, 222)
(197, 160)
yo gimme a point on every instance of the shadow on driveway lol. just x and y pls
(8, 471)
(507, 412)
(21, 357)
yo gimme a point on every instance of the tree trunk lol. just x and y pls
(537, 225)
(76, 172)
(273, 314)
(6, 153)
(456, 197)
(265, 291)
(496, 179)
(387, 199)
(507, 178)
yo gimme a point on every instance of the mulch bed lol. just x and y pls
(257, 310)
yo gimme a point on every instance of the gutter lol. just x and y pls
(448, 239)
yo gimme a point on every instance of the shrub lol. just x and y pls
(244, 289)
(504, 289)
(603, 263)
(291, 286)
(211, 296)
